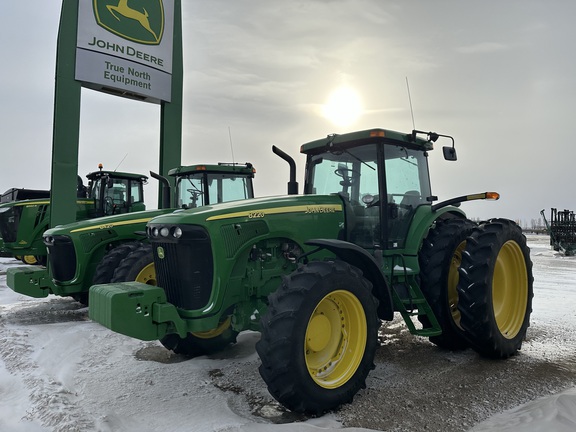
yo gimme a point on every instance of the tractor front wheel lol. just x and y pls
(105, 269)
(202, 343)
(29, 259)
(495, 288)
(319, 337)
(137, 266)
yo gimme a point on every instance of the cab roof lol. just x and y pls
(116, 174)
(220, 168)
(367, 136)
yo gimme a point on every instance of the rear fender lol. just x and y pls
(361, 259)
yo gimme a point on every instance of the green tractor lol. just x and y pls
(23, 221)
(19, 194)
(317, 273)
(89, 252)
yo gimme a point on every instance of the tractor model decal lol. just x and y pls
(112, 225)
(304, 209)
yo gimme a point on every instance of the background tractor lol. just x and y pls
(18, 194)
(317, 273)
(22, 222)
(89, 252)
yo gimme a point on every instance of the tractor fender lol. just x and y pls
(361, 259)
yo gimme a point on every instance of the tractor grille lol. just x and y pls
(184, 266)
(9, 221)
(61, 256)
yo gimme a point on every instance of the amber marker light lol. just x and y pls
(377, 133)
(492, 195)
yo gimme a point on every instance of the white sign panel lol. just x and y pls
(125, 47)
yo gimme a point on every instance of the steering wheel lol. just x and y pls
(348, 174)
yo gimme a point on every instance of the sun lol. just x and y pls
(343, 107)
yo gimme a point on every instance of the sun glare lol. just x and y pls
(343, 107)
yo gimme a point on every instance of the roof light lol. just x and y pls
(377, 133)
(200, 168)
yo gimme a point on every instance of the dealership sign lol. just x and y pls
(125, 47)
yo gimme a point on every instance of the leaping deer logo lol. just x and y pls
(140, 21)
(123, 9)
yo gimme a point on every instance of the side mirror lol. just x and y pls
(449, 153)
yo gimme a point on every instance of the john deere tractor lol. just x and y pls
(89, 252)
(18, 194)
(23, 221)
(317, 273)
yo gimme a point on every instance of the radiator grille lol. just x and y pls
(184, 267)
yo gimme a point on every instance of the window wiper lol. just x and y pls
(360, 160)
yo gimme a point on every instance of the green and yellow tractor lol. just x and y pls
(89, 252)
(317, 273)
(6, 200)
(24, 220)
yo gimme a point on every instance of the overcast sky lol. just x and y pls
(499, 76)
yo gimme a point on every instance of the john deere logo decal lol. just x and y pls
(160, 252)
(140, 21)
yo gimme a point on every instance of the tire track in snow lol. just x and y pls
(51, 403)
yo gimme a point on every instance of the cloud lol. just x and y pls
(482, 47)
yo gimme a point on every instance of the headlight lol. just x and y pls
(177, 233)
(164, 231)
(155, 232)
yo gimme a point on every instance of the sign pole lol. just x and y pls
(171, 112)
(66, 126)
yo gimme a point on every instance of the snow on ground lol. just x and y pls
(61, 372)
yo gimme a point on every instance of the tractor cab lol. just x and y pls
(382, 178)
(115, 192)
(201, 185)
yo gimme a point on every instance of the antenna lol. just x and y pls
(117, 166)
(231, 147)
(410, 100)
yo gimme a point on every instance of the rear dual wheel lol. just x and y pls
(319, 337)
(495, 288)
(440, 258)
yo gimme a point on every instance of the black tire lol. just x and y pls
(204, 343)
(138, 266)
(41, 260)
(495, 289)
(440, 258)
(105, 269)
(309, 363)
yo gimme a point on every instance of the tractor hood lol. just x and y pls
(256, 208)
(105, 222)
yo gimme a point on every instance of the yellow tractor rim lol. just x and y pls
(147, 275)
(453, 278)
(510, 289)
(30, 259)
(215, 332)
(335, 339)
